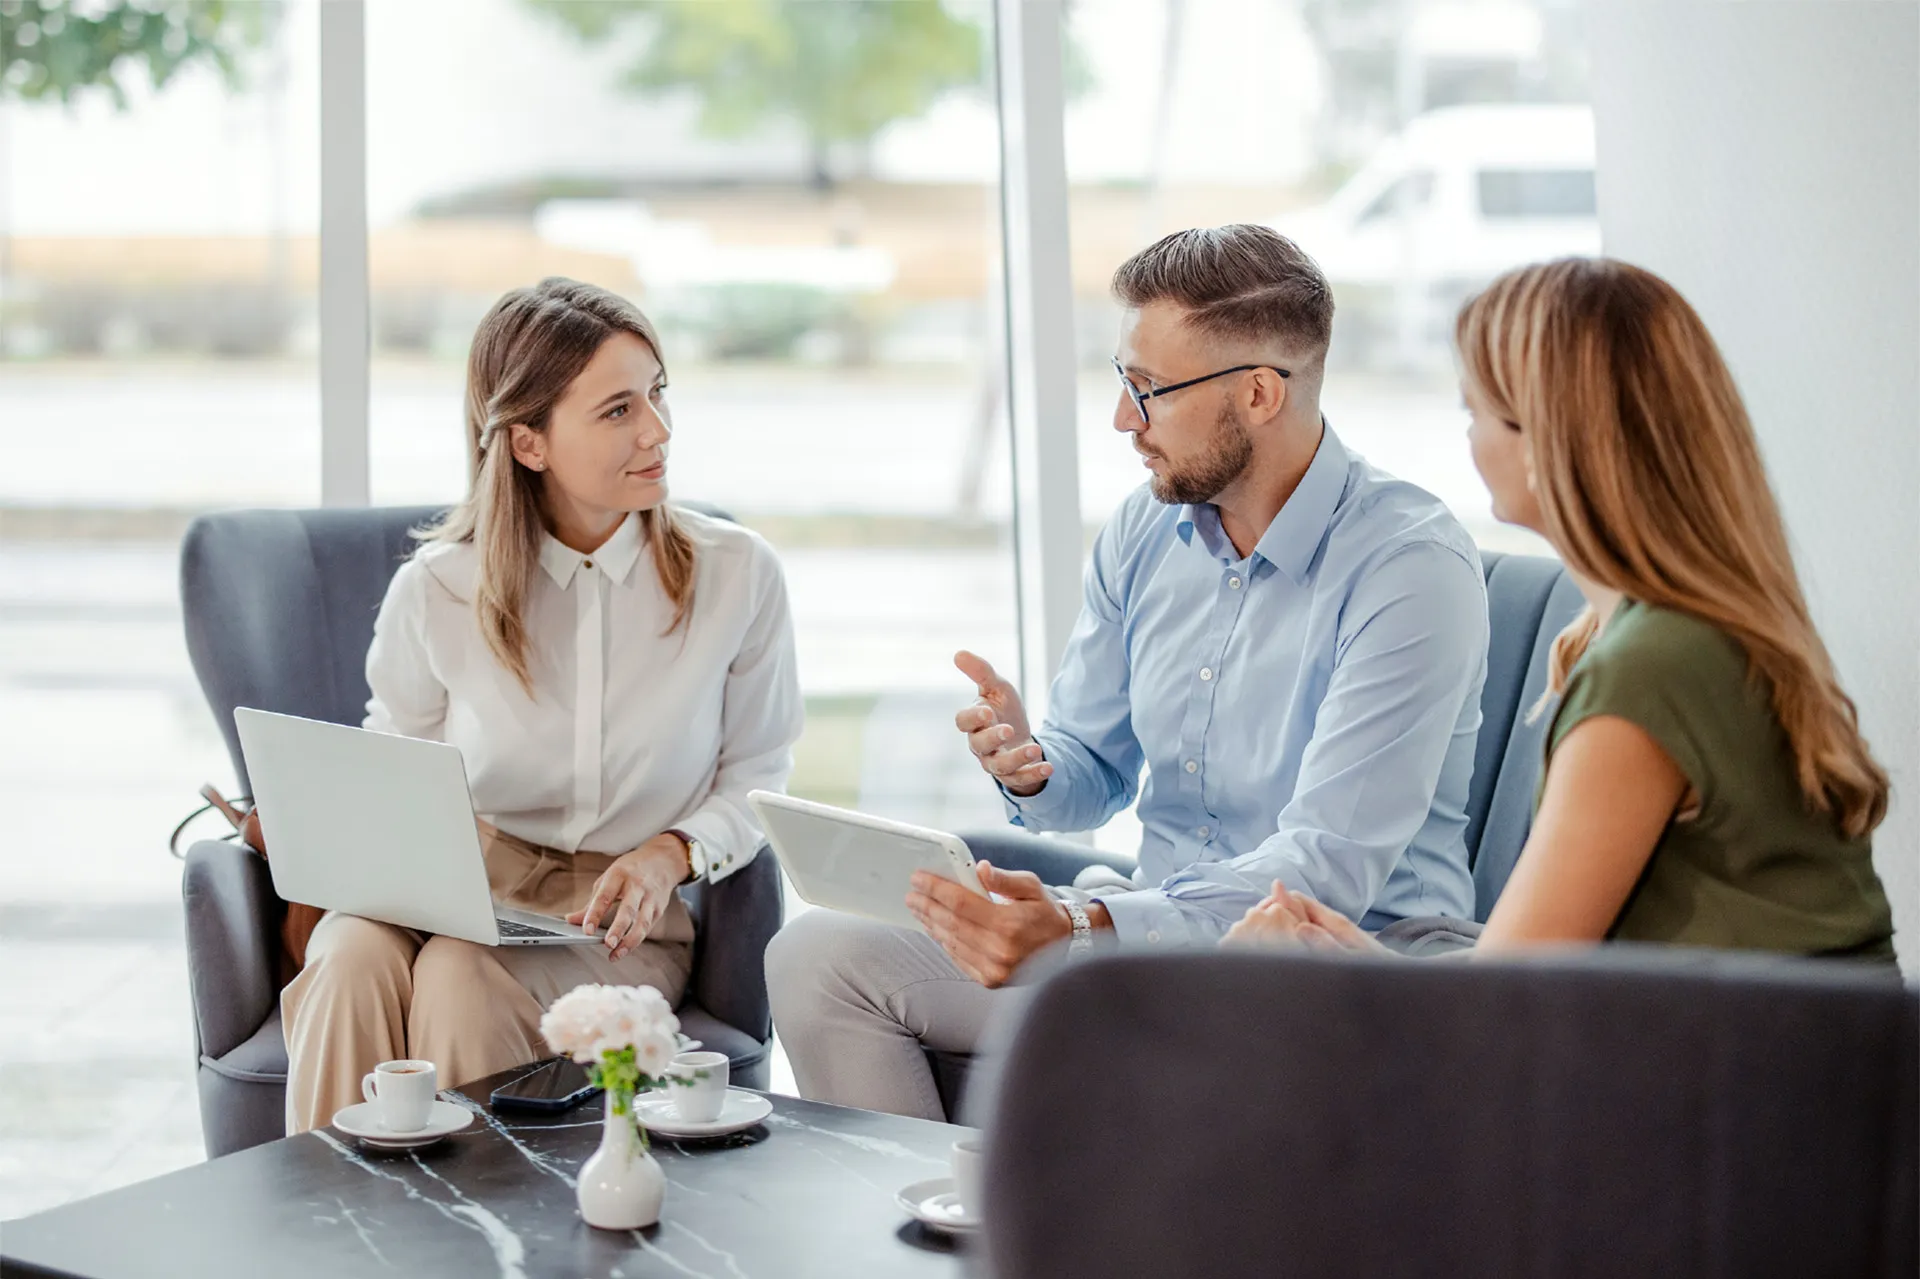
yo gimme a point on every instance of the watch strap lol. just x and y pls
(1082, 930)
(696, 856)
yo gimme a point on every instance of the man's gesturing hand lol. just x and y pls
(997, 732)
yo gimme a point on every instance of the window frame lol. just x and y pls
(1036, 293)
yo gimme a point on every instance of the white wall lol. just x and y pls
(1765, 157)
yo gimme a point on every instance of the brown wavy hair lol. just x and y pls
(1650, 482)
(526, 353)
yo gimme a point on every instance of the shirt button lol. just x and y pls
(1205, 831)
(586, 563)
(1153, 936)
(1234, 582)
(1193, 766)
(1206, 673)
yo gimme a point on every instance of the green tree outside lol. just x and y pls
(60, 51)
(842, 70)
(57, 50)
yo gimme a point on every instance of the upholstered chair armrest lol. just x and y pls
(1055, 861)
(735, 919)
(233, 943)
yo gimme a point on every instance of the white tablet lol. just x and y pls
(856, 863)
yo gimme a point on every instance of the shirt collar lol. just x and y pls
(615, 557)
(1297, 531)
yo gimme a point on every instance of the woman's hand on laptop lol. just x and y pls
(997, 730)
(631, 894)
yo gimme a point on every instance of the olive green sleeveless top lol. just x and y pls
(1756, 867)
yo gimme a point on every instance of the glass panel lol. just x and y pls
(1537, 193)
(1312, 118)
(1417, 188)
(815, 230)
(157, 338)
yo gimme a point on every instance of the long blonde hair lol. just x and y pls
(526, 353)
(1650, 482)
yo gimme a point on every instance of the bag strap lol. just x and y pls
(220, 803)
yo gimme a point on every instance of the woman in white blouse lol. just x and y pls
(617, 674)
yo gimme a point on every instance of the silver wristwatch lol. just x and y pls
(1082, 930)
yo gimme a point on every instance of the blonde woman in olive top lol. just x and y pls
(1705, 782)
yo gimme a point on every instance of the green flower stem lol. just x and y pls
(619, 1075)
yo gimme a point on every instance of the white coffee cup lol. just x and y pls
(968, 1169)
(401, 1093)
(701, 1098)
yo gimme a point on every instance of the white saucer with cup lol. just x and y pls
(703, 1107)
(950, 1204)
(402, 1108)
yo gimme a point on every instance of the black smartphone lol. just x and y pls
(557, 1085)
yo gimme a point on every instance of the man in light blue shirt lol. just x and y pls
(1289, 641)
(1306, 711)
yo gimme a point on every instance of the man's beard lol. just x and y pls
(1201, 480)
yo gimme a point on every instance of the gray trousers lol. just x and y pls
(856, 1003)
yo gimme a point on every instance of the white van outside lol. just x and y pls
(1441, 209)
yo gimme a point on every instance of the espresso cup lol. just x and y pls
(401, 1093)
(967, 1172)
(700, 1098)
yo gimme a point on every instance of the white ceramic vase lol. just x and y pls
(621, 1187)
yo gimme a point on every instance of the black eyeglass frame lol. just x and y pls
(1140, 397)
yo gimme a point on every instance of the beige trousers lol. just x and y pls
(374, 992)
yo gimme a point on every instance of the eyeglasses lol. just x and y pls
(1140, 397)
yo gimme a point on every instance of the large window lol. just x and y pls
(818, 247)
(1415, 149)
(157, 337)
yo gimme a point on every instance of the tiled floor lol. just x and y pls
(96, 1081)
(105, 738)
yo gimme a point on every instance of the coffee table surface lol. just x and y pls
(809, 1192)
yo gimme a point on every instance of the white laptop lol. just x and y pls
(379, 826)
(856, 862)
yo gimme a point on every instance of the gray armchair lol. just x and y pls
(1621, 1113)
(1529, 601)
(279, 609)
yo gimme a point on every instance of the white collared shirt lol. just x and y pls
(631, 730)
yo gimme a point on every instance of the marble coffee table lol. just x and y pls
(808, 1192)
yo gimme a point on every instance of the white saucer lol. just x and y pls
(932, 1203)
(363, 1121)
(659, 1115)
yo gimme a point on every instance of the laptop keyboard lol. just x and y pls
(513, 928)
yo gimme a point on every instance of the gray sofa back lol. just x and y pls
(279, 608)
(1529, 601)
(1616, 1114)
